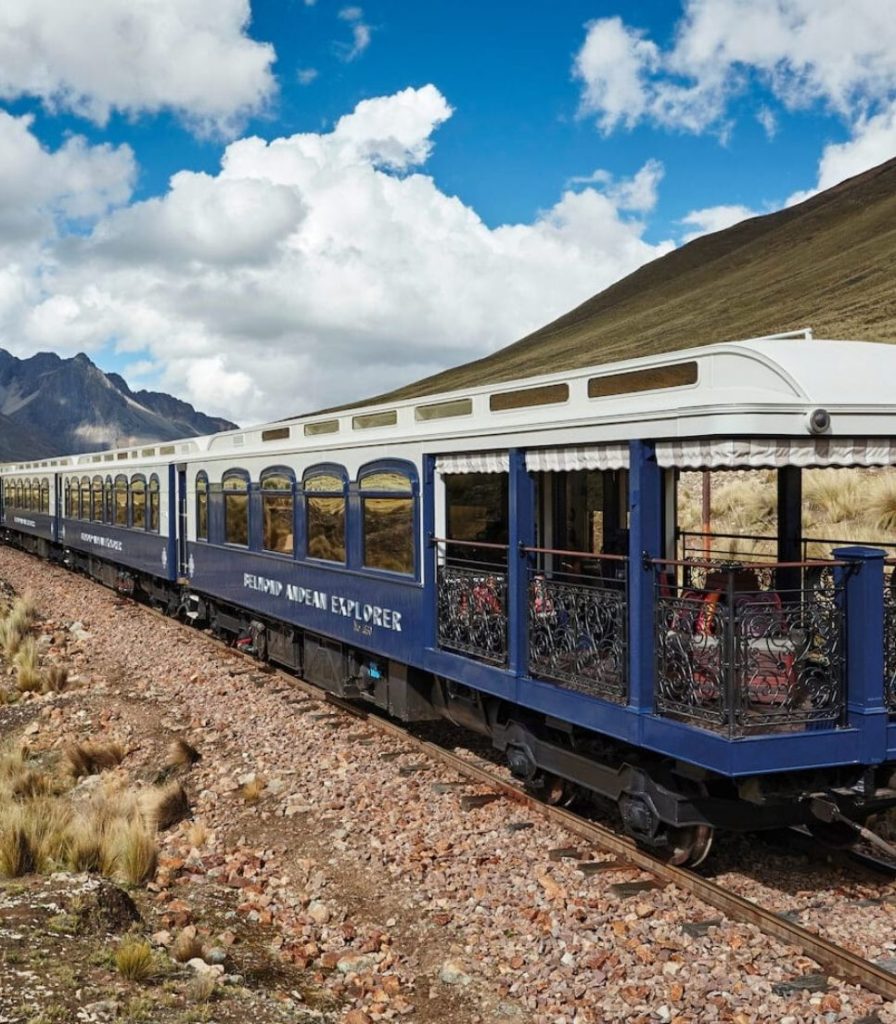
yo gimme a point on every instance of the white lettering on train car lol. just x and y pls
(25, 522)
(102, 542)
(335, 604)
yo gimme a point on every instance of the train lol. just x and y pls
(508, 557)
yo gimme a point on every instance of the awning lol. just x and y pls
(558, 460)
(473, 462)
(762, 452)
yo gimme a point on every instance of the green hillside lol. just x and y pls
(827, 263)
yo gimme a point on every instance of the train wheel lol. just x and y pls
(689, 845)
(551, 789)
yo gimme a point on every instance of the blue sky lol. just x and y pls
(427, 181)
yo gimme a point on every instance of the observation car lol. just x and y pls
(508, 557)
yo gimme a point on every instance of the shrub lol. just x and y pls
(90, 758)
(186, 946)
(181, 754)
(55, 679)
(134, 960)
(27, 664)
(165, 806)
(129, 852)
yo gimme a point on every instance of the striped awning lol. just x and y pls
(762, 452)
(596, 456)
(473, 462)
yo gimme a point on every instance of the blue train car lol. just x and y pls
(511, 557)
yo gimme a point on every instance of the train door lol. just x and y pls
(182, 519)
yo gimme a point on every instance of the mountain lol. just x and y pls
(53, 406)
(826, 263)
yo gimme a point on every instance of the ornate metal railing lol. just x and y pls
(889, 637)
(751, 661)
(472, 602)
(578, 630)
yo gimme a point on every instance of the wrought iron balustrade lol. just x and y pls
(577, 630)
(472, 603)
(750, 661)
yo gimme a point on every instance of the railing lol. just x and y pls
(578, 622)
(472, 599)
(890, 634)
(742, 659)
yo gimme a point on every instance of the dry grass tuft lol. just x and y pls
(165, 806)
(186, 946)
(130, 853)
(134, 960)
(27, 665)
(197, 834)
(251, 791)
(55, 679)
(17, 854)
(90, 758)
(202, 988)
(880, 498)
(181, 754)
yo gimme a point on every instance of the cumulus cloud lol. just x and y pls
(638, 193)
(322, 267)
(91, 57)
(803, 51)
(715, 218)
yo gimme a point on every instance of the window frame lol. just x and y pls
(136, 478)
(409, 471)
(153, 504)
(119, 479)
(326, 469)
(265, 492)
(236, 474)
(94, 491)
(85, 481)
(109, 500)
(45, 495)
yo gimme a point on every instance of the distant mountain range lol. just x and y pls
(826, 263)
(52, 406)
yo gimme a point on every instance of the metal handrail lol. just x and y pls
(738, 564)
(573, 554)
(470, 543)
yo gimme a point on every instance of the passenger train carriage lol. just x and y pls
(508, 557)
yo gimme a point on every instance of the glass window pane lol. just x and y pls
(45, 497)
(477, 507)
(389, 534)
(276, 482)
(324, 482)
(235, 483)
(68, 499)
(121, 501)
(201, 508)
(236, 518)
(108, 515)
(154, 505)
(326, 528)
(138, 504)
(97, 499)
(85, 498)
(386, 481)
(277, 519)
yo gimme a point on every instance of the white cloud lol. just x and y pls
(715, 218)
(305, 76)
(91, 57)
(361, 34)
(803, 51)
(769, 122)
(638, 193)
(307, 272)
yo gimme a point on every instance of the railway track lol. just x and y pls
(835, 960)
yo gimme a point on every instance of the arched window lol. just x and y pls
(68, 498)
(324, 488)
(14, 493)
(45, 496)
(29, 502)
(387, 516)
(85, 498)
(201, 506)
(236, 507)
(154, 507)
(109, 513)
(138, 502)
(277, 510)
(97, 503)
(121, 500)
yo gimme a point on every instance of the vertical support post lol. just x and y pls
(645, 542)
(428, 561)
(863, 581)
(790, 526)
(731, 693)
(521, 497)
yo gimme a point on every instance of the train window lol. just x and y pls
(97, 499)
(138, 503)
(444, 410)
(387, 514)
(387, 418)
(321, 427)
(546, 394)
(275, 434)
(84, 512)
(108, 514)
(154, 506)
(201, 506)
(676, 375)
(236, 507)
(121, 500)
(476, 505)
(325, 510)
(68, 498)
(277, 511)
(45, 496)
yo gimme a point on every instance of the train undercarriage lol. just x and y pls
(672, 807)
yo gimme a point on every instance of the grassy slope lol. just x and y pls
(826, 263)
